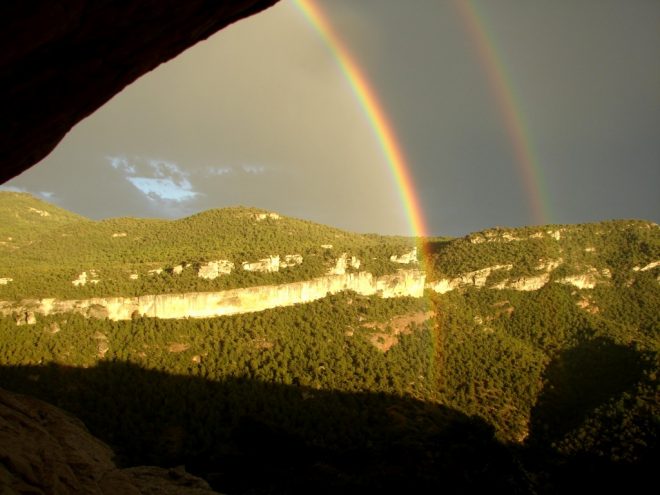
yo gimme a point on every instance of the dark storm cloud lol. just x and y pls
(585, 76)
(260, 115)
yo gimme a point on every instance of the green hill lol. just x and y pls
(58, 252)
(530, 366)
(24, 218)
(617, 245)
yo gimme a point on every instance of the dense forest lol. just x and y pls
(510, 374)
(547, 391)
(44, 249)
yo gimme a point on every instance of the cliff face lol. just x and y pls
(480, 278)
(210, 304)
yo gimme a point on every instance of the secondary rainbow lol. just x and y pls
(501, 87)
(375, 114)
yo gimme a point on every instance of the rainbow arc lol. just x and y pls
(508, 106)
(375, 113)
(501, 88)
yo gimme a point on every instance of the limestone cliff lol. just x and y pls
(587, 279)
(210, 304)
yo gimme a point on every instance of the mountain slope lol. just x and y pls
(617, 246)
(530, 365)
(24, 218)
(149, 249)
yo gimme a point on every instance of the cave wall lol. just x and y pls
(61, 60)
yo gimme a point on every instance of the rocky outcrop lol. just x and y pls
(210, 304)
(479, 278)
(548, 265)
(476, 278)
(406, 258)
(265, 265)
(342, 264)
(86, 52)
(384, 335)
(45, 450)
(500, 235)
(645, 268)
(264, 216)
(291, 260)
(213, 269)
(529, 283)
(587, 280)
(555, 234)
(25, 317)
(83, 279)
(53, 328)
(102, 345)
(41, 213)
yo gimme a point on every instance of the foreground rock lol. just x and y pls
(45, 450)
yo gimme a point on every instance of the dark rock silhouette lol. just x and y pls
(60, 61)
(247, 436)
(45, 450)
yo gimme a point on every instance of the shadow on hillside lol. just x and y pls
(246, 436)
(578, 381)
(435, 246)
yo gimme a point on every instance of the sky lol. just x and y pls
(507, 112)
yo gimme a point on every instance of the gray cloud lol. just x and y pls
(254, 169)
(276, 127)
(260, 115)
(211, 171)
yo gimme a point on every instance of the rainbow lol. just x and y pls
(373, 109)
(514, 121)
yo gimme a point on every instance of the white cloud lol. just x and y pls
(212, 171)
(163, 168)
(121, 163)
(164, 189)
(157, 179)
(254, 169)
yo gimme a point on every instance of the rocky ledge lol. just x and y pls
(44, 450)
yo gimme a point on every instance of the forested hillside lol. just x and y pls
(43, 255)
(617, 246)
(492, 384)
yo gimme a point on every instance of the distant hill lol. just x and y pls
(24, 218)
(612, 251)
(47, 252)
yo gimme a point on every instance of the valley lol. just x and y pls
(521, 359)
